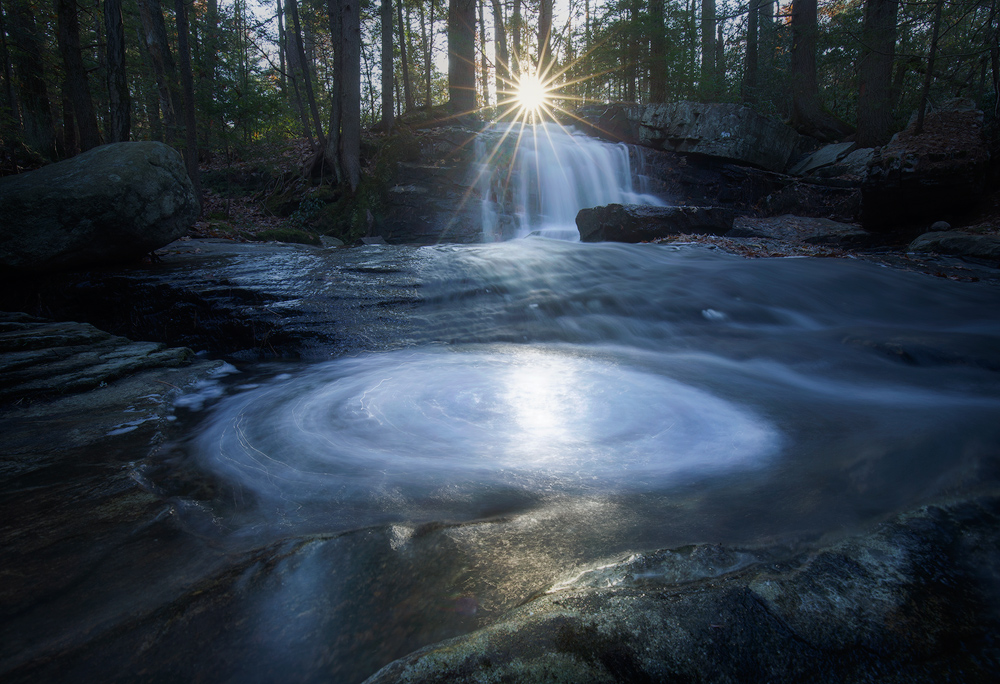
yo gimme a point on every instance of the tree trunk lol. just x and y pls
(544, 65)
(875, 104)
(10, 95)
(428, 51)
(350, 87)
(515, 48)
(187, 83)
(388, 108)
(155, 34)
(462, 56)
(657, 53)
(27, 59)
(808, 116)
(293, 10)
(120, 122)
(403, 53)
(282, 38)
(483, 68)
(332, 154)
(750, 60)
(708, 78)
(929, 74)
(502, 74)
(77, 89)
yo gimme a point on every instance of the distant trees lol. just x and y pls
(220, 76)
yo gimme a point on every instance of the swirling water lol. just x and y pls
(548, 407)
(741, 400)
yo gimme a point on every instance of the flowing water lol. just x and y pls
(550, 405)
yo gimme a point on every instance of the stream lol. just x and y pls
(471, 426)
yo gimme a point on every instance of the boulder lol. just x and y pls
(958, 244)
(728, 131)
(638, 222)
(111, 204)
(938, 174)
(815, 231)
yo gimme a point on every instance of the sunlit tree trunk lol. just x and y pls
(388, 107)
(875, 102)
(483, 68)
(502, 74)
(120, 123)
(544, 36)
(515, 47)
(462, 56)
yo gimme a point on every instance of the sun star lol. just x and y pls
(532, 95)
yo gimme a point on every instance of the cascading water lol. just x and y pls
(534, 179)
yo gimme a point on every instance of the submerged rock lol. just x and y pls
(112, 204)
(913, 600)
(637, 222)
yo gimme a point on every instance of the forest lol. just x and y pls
(230, 79)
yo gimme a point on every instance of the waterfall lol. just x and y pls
(534, 179)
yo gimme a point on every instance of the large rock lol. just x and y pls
(939, 174)
(911, 601)
(112, 204)
(728, 131)
(639, 222)
(816, 231)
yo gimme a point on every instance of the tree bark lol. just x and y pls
(808, 116)
(708, 77)
(77, 89)
(27, 59)
(120, 121)
(10, 95)
(515, 48)
(293, 10)
(657, 53)
(750, 60)
(187, 84)
(875, 102)
(544, 65)
(502, 73)
(388, 107)
(403, 56)
(462, 56)
(929, 74)
(483, 68)
(350, 87)
(155, 35)
(332, 154)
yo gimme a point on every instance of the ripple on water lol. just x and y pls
(442, 430)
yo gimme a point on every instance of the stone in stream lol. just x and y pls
(639, 222)
(112, 204)
(958, 243)
(913, 600)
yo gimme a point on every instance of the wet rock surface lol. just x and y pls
(112, 204)
(635, 223)
(958, 243)
(915, 599)
(817, 231)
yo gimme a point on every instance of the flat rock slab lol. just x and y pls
(891, 606)
(824, 156)
(816, 231)
(958, 244)
(639, 223)
(41, 357)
